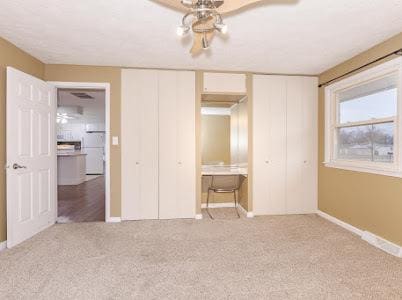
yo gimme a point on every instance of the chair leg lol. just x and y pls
(235, 201)
(208, 205)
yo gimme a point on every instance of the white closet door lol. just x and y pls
(176, 145)
(269, 149)
(310, 144)
(139, 126)
(294, 149)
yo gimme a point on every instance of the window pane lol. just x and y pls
(368, 143)
(383, 142)
(373, 100)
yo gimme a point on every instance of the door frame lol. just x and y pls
(106, 87)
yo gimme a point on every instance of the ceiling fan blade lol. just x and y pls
(197, 44)
(175, 4)
(233, 5)
(225, 7)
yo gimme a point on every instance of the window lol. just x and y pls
(362, 121)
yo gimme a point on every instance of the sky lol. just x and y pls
(379, 105)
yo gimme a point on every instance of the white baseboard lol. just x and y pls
(113, 220)
(367, 236)
(382, 244)
(198, 216)
(249, 214)
(340, 223)
(218, 205)
(3, 245)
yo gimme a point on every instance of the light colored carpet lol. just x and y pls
(283, 257)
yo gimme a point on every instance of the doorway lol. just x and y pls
(80, 131)
(83, 167)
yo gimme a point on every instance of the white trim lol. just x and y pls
(331, 121)
(198, 217)
(341, 166)
(367, 236)
(3, 245)
(106, 87)
(382, 244)
(249, 214)
(113, 220)
(218, 205)
(340, 223)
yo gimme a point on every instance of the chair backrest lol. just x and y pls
(227, 182)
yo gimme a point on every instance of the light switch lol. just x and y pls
(115, 140)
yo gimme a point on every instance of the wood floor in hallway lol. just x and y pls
(82, 203)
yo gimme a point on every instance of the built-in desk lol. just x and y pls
(224, 170)
(208, 171)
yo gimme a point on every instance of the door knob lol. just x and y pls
(17, 166)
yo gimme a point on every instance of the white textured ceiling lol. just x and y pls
(277, 36)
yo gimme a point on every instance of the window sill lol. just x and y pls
(363, 169)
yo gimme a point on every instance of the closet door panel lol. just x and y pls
(168, 140)
(177, 144)
(186, 188)
(310, 144)
(269, 155)
(294, 148)
(276, 90)
(139, 140)
(260, 145)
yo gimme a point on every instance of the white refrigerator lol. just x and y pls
(93, 144)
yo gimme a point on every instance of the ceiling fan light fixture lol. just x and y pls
(205, 43)
(221, 27)
(187, 2)
(182, 30)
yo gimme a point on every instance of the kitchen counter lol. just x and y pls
(71, 167)
(70, 153)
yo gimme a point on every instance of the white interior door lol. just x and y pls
(31, 156)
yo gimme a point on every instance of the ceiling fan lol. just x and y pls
(204, 18)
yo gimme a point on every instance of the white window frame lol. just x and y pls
(331, 121)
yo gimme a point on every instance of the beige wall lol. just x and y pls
(369, 202)
(13, 57)
(111, 75)
(215, 138)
